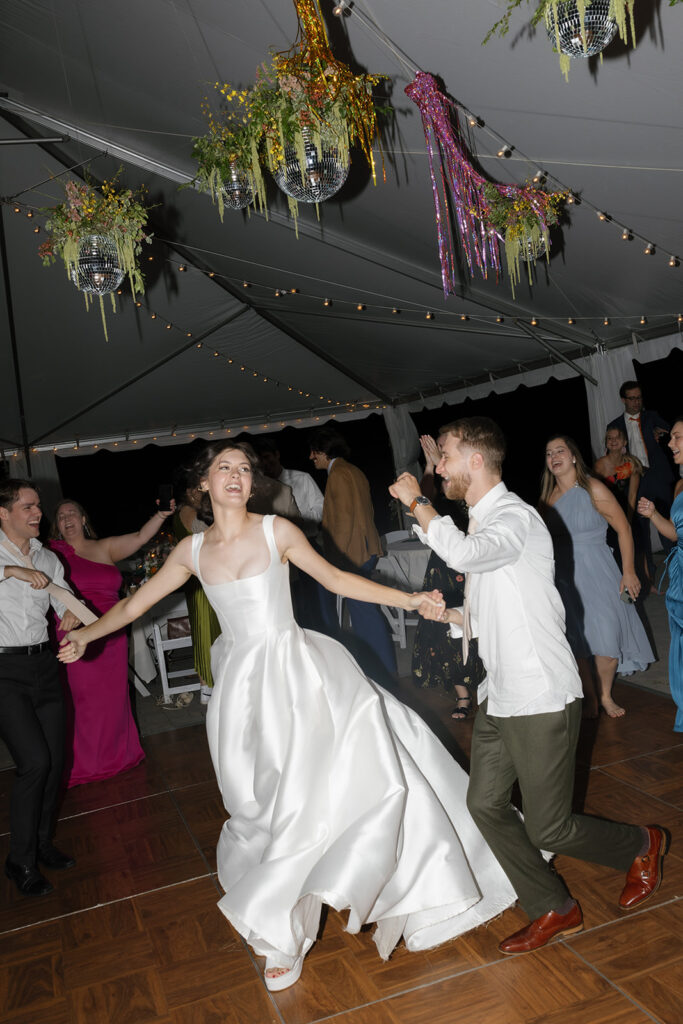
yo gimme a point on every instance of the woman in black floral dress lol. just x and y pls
(437, 657)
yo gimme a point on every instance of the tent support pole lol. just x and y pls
(150, 369)
(554, 351)
(13, 341)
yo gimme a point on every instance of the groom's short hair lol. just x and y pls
(482, 435)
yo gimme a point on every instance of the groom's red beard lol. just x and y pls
(456, 488)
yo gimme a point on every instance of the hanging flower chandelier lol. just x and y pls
(99, 235)
(300, 119)
(487, 214)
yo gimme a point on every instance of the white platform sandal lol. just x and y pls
(288, 977)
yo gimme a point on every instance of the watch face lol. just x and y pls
(422, 500)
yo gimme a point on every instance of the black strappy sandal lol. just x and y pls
(463, 709)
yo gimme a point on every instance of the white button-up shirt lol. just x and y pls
(636, 444)
(307, 495)
(23, 610)
(515, 608)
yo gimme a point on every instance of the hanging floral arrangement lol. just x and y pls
(578, 28)
(487, 214)
(303, 103)
(99, 234)
(522, 217)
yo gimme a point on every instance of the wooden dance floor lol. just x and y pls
(132, 934)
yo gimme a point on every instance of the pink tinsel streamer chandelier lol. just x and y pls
(466, 187)
(457, 176)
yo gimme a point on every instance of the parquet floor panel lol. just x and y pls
(201, 807)
(659, 774)
(132, 934)
(120, 851)
(642, 955)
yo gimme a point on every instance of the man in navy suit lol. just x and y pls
(644, 428)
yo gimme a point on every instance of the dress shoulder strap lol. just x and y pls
(268, 522)
(197, 541)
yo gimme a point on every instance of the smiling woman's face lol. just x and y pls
(69, 521)
(229, 478)
(676, 442)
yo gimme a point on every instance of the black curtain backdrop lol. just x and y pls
(529, 417)
(119, 488)
(661, 384)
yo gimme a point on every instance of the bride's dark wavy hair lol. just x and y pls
(203, 462)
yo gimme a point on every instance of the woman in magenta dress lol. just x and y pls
(103, 736)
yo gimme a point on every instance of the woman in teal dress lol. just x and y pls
(673, 529)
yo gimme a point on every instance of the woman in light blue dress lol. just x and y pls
(603, 627)
(673, 529)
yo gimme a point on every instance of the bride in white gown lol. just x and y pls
(337, 793)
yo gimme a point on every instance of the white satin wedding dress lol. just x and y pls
(337, 793)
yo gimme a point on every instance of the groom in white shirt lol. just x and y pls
(529, 715)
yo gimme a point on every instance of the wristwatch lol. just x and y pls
(420, 500)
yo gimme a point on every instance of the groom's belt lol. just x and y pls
(30, 649)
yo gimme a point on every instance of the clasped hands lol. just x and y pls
(71, 648)
(430, 605)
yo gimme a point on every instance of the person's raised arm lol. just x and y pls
(127, 544)
(432, 456)
(173, 574)
(294, 547)
(406, 489)
(647, 510)
(611, 511)
(632, 497)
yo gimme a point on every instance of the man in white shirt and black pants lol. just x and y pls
(31, 697)
(529, 716)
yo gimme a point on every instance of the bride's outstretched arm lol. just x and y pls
(294, 547)
(173, 574)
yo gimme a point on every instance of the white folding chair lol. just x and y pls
(396, 617)
(396, 536)
(161, 647)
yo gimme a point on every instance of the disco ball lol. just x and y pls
(97, 269)
(600, 28)
(323, 174)
(237, 192)
(530, 249)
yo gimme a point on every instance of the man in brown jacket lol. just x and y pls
(351, 542)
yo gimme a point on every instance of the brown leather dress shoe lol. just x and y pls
(542, 930)
(645, 874)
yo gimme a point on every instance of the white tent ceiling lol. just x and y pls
(124, 82)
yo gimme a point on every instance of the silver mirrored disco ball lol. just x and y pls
(237, 192)
(323, 175)
(600, 28)
(530, 250)
(98, 267)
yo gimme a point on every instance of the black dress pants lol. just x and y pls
(32, 726)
